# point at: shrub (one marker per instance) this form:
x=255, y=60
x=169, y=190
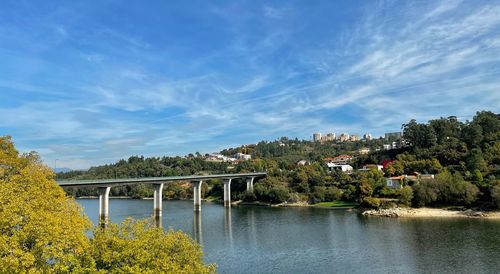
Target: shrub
x=248, y=196
x=370, y=202
x=425, y=193
x=406, y=195
x=278, y=194
x=495, y=195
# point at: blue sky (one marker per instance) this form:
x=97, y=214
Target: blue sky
x=93, y=82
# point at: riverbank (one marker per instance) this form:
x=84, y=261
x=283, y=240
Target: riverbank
x=430, y=213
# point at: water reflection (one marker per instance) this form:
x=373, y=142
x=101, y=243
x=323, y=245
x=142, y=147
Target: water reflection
x=228, y=230
x=308, y=240
x=197, y=229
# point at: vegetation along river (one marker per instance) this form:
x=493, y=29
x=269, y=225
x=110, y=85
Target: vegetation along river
x=252, y=239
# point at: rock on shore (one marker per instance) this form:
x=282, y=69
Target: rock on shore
x=429, y=212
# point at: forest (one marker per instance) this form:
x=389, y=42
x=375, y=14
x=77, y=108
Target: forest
x=463, y=156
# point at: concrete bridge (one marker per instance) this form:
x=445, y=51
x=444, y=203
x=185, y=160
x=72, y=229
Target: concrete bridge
x=104, y=186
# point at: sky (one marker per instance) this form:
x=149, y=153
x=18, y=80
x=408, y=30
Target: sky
x=92, y=82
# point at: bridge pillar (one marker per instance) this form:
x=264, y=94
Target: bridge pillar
x=158, y=204
x=104, y=206
x=227, y=192
x=197, y=195
x=250, y=183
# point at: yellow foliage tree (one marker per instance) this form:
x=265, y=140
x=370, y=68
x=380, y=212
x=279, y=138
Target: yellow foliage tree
x=140, y=247
x=44, y=231
x=41, y=229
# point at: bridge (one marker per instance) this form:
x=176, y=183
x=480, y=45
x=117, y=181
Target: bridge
x=104, y=186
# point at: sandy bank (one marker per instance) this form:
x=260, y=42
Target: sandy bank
x=431, y=213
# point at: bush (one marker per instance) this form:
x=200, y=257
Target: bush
x=278, y=194
x=425, y=193
x=370, y=202
x=495, y=195
x=406, y=195
x=333, y=194
x=295, y=198
x=248, y=196
x=261, y=192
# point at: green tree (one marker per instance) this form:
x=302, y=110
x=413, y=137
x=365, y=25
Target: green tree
x=419, y=135
x=406, y=195
x=495, y=195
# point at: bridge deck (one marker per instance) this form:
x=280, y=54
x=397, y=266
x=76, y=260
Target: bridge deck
x=153, y=180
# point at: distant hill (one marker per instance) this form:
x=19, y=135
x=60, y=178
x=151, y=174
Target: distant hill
x=61, y=169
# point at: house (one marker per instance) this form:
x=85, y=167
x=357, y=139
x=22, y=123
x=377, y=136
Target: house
x=395, y=182
x=387, y=147
x=303, y=163
x=364, y=151
x=371, y=166
x=241, y=156
x=339, y=160
x=217, y=157
x=343, y=168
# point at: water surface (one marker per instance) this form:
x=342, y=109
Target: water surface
x=251, y=239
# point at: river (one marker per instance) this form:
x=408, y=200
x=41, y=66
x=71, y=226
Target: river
x=252, y=239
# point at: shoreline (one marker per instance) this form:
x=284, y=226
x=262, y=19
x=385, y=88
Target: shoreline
x=426, y=212
x=398, y=212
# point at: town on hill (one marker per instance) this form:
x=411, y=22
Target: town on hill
x=442, y=162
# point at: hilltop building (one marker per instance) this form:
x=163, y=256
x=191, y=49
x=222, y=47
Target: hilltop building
x=344, y=137
x=343, y=168
x=367, y=136
x=354, y=138
x=330, y=137
x=317, y=137
x=242, y=156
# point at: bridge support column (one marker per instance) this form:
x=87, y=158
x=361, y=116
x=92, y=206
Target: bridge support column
x=227, y=192
x=250, y=183
x=197, y=195
x=104, y=206
x=158, y=204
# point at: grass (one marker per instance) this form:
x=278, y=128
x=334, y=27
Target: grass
x=338, y=204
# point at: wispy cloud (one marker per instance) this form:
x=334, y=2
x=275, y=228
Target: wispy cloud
x=98, y=88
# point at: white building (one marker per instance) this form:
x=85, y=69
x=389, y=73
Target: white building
x=317, y=137
x=242, y=156
x=364, y=151
x=303, y=163
x=367, y=136
x=344, y=137
x=330, y=136
x=369, y=167
x=343, y=168
x=354, y=138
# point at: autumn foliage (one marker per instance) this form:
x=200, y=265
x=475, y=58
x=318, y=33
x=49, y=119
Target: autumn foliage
x=44, y=231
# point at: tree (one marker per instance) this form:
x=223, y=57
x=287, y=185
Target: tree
x=41, y=229
x=495, y=195
x=475, y=160
x=279, y=194
x=140, y=247
x=419, y=135
x=406, y=195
